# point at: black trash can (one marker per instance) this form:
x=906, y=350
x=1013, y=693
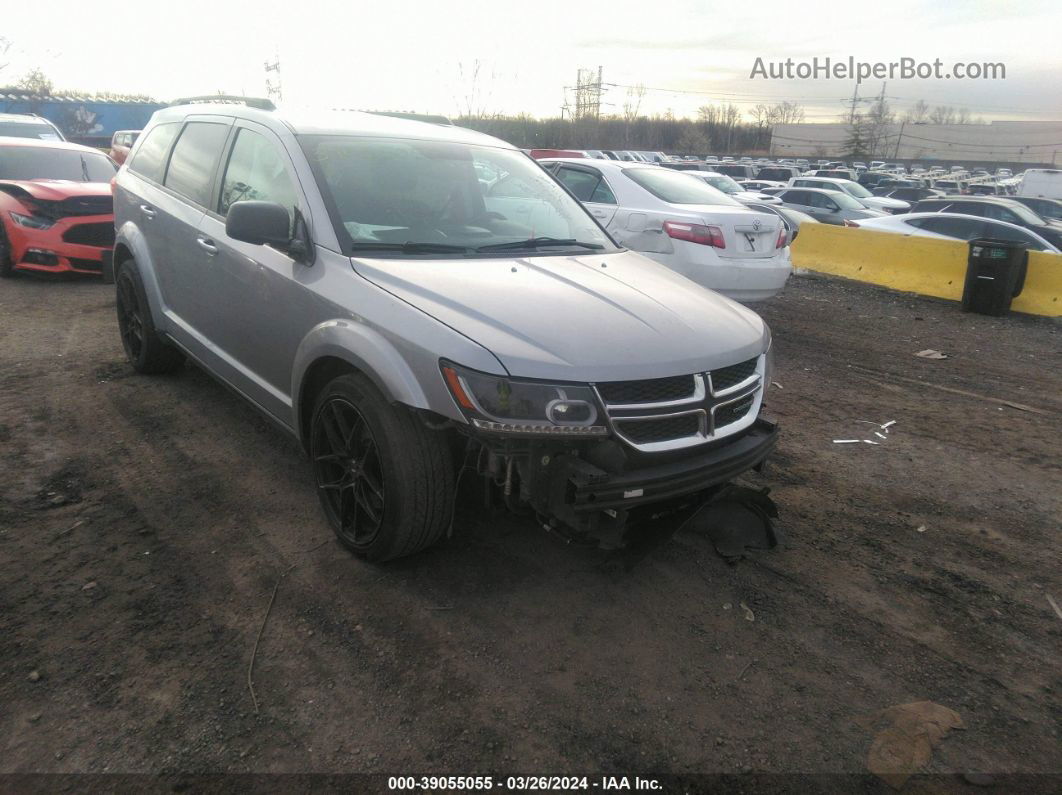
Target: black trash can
x=995, y=275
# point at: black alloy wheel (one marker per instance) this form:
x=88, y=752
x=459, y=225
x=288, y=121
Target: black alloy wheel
x=130, y=317
x=348, y=470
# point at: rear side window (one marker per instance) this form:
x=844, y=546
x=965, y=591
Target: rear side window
x=675, y=187
x=150, y=160
x=256, y=172
x=194, y=160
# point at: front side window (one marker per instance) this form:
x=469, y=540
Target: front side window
x=256, y=172
x=675, y=187
x=45, y=162
x=581, y=183
x=823, y=201
x=427, y=197
x=194, y=160
x=150, y=160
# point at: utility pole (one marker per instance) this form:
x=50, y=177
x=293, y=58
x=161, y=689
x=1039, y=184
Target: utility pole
x=855, y=99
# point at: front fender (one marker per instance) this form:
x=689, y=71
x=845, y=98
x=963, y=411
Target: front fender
x=363, y=348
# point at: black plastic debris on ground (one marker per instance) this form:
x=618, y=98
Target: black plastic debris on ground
x=735, y=518
x=738, y=519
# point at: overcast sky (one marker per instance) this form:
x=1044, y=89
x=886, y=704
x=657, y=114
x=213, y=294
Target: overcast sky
x=421, y=56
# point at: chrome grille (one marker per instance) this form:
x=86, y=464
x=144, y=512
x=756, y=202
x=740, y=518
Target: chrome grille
x=670, y=413
x=732, y=412
x=726, y=377
x=654, y=390
x=661, y=429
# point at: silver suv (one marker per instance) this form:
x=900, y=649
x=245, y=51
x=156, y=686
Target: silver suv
x=414, y=301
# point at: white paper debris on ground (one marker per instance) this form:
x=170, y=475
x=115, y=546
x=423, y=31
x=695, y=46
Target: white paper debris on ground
x=888, y=424
x=846, y=441
x=776, y=384
x=929, y=353
x=921, y=528
x=880, y=435
x=870, y=442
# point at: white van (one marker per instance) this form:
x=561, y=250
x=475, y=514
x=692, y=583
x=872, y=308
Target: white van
x=1042, y=182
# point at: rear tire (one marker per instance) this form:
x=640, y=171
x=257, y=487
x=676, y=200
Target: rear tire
x=385, y=481
x=145, y=348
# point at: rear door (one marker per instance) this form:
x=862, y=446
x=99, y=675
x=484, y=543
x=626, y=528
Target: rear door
x=591, y=188
x=138, y=204
x=187, y=188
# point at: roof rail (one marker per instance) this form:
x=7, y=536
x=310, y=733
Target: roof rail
x=398, y=114
x=228, y=99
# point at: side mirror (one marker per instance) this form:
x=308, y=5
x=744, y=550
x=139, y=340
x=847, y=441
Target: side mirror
x=259, y=223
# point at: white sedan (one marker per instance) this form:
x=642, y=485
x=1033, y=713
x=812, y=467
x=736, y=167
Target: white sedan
x=954, y=226
x=683, y=223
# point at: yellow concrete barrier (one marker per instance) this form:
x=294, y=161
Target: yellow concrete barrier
x=922, y=265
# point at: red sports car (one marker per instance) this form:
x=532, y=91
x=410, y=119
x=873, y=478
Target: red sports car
x=56, y=209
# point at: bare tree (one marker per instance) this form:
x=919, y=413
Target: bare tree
x=5, y=45
x=942, y=114
x=632, y=105
x=919, y=114
x=35, y=82
x=478, y=90
x=788, y=113
x=963, y=116
x=878, y=120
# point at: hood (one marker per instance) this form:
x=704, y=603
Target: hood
x=568, y=318
x=868, y=212
x=53, y=189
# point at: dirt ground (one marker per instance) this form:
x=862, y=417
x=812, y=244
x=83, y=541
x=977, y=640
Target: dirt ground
x=145, y=522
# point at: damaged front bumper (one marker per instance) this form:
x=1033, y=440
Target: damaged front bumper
x=577, y=486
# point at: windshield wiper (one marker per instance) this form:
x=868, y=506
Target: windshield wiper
x=411, y=247
x=84, y=169
x=540, y=242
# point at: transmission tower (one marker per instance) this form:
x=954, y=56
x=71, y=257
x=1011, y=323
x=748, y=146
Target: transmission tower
x=588, y=94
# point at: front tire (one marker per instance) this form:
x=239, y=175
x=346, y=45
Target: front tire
x=386, y=482
x=144, y=346
x=7, y=265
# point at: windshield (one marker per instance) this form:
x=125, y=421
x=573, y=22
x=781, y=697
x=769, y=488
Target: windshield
x=21, y=129
x=844, y=201
x=676, y=187
x=402, y=194
x=857, y=190
x=32, y=162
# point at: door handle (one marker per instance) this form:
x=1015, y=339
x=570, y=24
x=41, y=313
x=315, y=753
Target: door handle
x=598, y=213
x=148, y=211
x=207, y=245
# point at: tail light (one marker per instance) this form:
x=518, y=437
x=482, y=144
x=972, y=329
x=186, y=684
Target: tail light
x=695, y=233
x=851, y=223
x=783, y=237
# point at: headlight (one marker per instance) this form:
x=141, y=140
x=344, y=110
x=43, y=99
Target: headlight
x=507, y=405
x=32, y=221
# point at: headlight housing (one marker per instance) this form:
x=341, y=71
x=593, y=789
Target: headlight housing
x=497, y=404
x=32, y=221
